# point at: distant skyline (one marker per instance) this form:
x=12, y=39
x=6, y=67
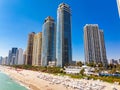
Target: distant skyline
x=18, y=18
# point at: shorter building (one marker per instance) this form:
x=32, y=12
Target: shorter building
x=72, y=69
x=119, y=61
x=20, y=57
x=29, y=51
x=113, y=61
x=24, y=56
x=73, y=62
x=0, y=60
x=76, y=70
x=37, y=46
x=89, y=70
x=52, y=63
x=4, y=60
x=9, y=56
x=14, y=56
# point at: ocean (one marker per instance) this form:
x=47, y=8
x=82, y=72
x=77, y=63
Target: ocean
x=6, y=83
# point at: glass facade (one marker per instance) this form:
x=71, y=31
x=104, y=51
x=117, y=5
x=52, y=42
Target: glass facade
x=48, y=41
x=63, y=35
x=14, y=56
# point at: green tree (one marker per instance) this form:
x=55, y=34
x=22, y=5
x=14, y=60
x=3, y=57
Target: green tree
x=79, y=63
x=82, y=72
x=91, y=64
x=113, y=71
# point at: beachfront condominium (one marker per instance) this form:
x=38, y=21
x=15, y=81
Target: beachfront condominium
x=118, y=4
x=13, y=58
x=4, y=61
x=29, y=52
x=24, y=57
x=48, y=41
x=63, y=35
x=0, y=60
x=20, y=57
x=9, y=56
x=37, y=46
x=94, y=45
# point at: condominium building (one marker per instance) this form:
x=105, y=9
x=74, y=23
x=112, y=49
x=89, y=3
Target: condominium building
x=14, y=57
x=9, y=56
x=94, y=45
x=24, y=57
x=118, y=61
x=118, y=4
x=4, y=61
x=115, y=62
x=63, y=35
x=20, y=57
x=1, y=60
x=29, y=52
x=37, y=46
x=48, y=41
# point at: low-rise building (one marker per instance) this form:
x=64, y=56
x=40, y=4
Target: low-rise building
x=0, y=60
x=88, y=70
x=119, y=61
x=72, y=69
x=113, y=61
x=4, y=60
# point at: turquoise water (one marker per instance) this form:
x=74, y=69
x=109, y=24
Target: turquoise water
x=6, y=83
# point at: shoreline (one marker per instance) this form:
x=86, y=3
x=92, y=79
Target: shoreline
x=17, y=81
x=34, y=80
x=30, y=81
x=20, y=82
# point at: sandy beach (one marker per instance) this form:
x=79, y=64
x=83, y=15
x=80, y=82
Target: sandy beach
x=43, y=81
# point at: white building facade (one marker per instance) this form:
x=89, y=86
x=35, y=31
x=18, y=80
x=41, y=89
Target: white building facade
x=20, y=57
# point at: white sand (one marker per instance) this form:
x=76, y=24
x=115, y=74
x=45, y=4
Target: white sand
x=30, y=78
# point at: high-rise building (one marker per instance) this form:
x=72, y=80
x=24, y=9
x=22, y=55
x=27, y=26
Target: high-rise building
x=102, y=48
x=118, y=61
x=29, y=53
x=94, y=44
x=63, y=35
x=20, y=57
x=9, y=56
x=14, y=57
x=37, y=46
x=4, y=60
x=114, y=62
x=24, y=57
x=48, y=41
x=0, y=60
x=118, y=4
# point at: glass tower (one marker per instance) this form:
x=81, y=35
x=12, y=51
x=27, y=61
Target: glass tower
x=14, y=56
x=63, y=35
x=48, y=41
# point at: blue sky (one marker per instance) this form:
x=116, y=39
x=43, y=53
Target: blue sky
x=20, y=17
